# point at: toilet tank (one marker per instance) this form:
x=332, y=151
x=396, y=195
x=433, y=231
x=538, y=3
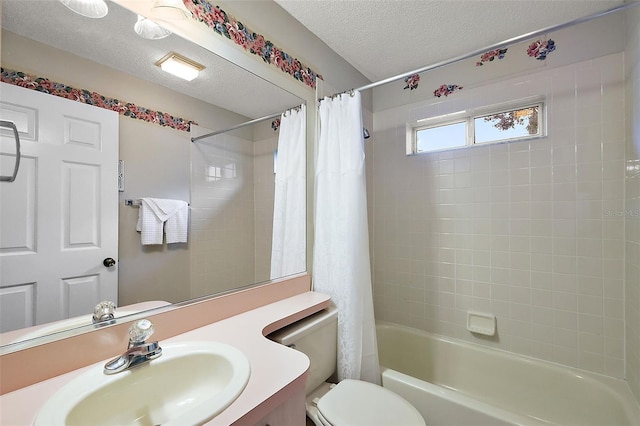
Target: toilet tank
x=317, y=337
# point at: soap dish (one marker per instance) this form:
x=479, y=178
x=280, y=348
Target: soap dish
x=481, y=323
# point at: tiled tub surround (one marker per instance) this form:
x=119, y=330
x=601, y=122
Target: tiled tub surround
x=632, y=203
x=527, y=230
x=222, y=214
x=232, y=196
x=277, y=373
x=264, y=178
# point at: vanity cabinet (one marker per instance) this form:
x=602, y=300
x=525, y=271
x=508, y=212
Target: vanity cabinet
x=290, y=413
x=274, y=394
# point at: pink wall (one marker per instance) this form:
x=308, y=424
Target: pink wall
x=29, y=366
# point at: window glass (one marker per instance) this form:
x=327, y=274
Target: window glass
x=513, y=124
x=479, y=126
x=452, y=135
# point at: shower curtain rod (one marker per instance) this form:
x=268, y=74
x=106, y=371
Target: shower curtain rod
x=237, y=126
x=499, y=45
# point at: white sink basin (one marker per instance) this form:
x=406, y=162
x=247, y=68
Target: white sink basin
x=189, y=384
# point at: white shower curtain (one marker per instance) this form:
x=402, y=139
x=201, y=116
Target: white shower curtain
x=341, y=265
x=289, y=244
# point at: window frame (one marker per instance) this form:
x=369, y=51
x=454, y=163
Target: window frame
x=469, y=117
x=451, y=122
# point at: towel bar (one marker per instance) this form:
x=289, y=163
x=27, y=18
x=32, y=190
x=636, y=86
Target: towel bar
x=136, y=202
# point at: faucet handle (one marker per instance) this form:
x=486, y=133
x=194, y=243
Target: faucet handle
x=140, y=331
x=104, y=311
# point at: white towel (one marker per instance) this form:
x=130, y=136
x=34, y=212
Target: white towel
x=177, y=225
x=149, y=225
x=154, y=212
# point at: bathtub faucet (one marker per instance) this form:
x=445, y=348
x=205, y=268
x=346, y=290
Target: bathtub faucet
x=138, y=351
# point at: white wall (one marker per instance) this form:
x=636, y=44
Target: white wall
x=156, y=165
x=632, y=199
x=589, y=40
x=519, y=230
x=269, y=19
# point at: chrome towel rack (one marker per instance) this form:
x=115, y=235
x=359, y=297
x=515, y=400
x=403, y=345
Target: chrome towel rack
x=136, y=202
x=10, y=125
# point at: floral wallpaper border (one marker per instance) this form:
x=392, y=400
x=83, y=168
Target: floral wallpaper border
x=538, y=49
x=412, y=81
x=228, y=26
x=446, y=90
x=491, y=56
x=127, y=109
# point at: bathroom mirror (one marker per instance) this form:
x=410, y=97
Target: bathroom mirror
x=102, y=55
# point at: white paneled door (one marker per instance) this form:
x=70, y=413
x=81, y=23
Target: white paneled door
x=59, y=219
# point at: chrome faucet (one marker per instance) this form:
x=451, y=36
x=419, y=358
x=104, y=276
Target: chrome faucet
x=104, y=312
x=138, y=352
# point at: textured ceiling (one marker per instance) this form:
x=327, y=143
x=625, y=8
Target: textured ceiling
x=111, y=41
x=383, y=38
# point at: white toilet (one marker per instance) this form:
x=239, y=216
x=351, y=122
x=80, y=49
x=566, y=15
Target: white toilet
x=350, y=402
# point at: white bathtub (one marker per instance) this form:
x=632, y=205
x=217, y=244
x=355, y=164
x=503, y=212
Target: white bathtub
x=452, y=382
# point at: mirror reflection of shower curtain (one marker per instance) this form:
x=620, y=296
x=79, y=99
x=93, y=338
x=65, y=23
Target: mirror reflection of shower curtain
x=288, y=247
x=341, y=265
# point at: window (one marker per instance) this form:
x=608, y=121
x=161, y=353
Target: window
x=507, y=125
x=481, y=126
x=215, y=173
x=444, y=136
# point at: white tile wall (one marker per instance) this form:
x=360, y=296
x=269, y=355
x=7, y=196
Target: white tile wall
x=222, y=216
x=264, y=192
x=632, y=205
x=232, y=217
x=520, y=229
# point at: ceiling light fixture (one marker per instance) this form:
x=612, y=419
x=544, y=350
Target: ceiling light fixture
x=87, y=8
x=180, y=66
x=170, y=9
x=150, y=30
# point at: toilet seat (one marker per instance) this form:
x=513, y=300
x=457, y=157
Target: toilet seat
x=354, y=402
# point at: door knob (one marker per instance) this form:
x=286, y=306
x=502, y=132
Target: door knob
x=108, y=262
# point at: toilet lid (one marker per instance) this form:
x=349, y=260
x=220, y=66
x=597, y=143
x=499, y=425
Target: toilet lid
x=353, y=402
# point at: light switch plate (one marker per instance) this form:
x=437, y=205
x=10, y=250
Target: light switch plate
x=120, y=175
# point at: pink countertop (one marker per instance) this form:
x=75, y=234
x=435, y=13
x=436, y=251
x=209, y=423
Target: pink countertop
x=276, y=371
